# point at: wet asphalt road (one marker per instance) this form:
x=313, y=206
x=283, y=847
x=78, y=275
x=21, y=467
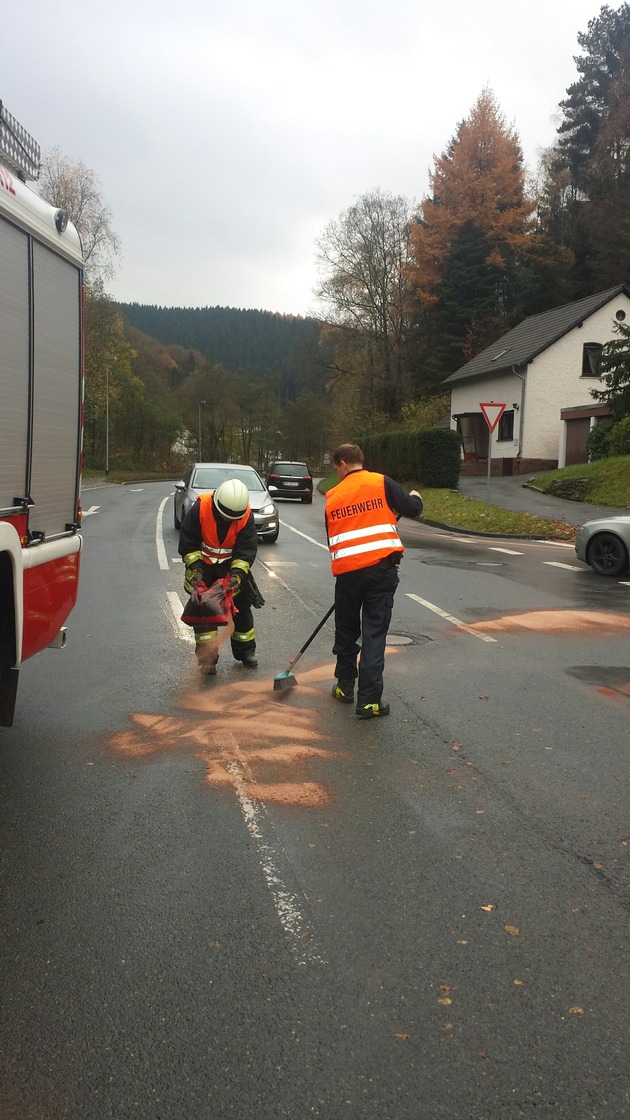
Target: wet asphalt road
x=223, y=901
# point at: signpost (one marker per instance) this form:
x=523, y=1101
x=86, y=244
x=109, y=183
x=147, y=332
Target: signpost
x=492, y=413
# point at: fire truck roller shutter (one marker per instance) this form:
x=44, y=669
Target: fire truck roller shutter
x=57, y=391
x=14, y=363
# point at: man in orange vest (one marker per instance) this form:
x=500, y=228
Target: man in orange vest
x=217, y=537
x=365, y=550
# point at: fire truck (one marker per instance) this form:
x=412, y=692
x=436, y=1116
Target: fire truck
x=41, y=413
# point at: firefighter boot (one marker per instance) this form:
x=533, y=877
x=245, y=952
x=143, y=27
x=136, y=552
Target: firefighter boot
x=249, y=660
x=343, y=691
x=368, y=711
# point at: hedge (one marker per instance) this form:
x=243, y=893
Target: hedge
x=432, y=457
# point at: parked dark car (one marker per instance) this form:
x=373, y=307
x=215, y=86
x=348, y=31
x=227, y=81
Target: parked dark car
x=202, y=477
x=290, y=480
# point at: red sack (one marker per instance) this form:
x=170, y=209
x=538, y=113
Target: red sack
x=210, y=606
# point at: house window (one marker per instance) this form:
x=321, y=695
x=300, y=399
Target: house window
x=506, y=425
x=591, y=359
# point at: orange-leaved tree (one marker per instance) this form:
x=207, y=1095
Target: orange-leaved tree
x=480, y=179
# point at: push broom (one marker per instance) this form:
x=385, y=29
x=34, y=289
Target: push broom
x=286, y=679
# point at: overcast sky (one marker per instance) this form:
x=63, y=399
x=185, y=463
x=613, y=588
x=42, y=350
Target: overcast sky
x=227, y=135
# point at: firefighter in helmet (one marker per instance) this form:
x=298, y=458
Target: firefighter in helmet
x=217, y=538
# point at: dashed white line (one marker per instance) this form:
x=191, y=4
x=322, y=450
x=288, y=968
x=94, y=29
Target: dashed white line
x=176, y=608
x=558, y=564
x=508, y=551
x=450, y=618
x=159, y=538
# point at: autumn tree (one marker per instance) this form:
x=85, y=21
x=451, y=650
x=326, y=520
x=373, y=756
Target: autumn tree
x=363, y=296
x=75, y=188
x=471, y=236
x=109, y=388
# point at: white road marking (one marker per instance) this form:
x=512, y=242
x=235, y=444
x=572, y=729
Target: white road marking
x=159, y=538
x=176, y=607
x=138, y=490
x=557, y=564
x=90, y=511
x=508, y=551
x=311, y=539
x=450, y=618
x=286, y=902
x=624, y=583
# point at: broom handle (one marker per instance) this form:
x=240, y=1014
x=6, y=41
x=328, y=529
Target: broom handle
x=313, y=635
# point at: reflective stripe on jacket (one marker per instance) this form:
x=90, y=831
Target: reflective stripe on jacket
x=213, y=551
x=361, y=525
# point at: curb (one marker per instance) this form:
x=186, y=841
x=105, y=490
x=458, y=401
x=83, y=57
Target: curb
x=482, y=533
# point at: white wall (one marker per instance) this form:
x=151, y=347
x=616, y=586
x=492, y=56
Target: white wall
x=553, y=381
x=506, y=389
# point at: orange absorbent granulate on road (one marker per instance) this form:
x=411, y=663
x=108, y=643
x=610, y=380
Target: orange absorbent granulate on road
x=591, y=623
x=237, y=728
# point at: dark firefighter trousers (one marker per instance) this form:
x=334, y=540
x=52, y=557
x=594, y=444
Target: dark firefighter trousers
x=243, y=638
x=363, y=609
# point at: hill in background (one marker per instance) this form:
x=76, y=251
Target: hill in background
x=253, y=341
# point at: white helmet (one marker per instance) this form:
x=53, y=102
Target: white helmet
x=231, y=499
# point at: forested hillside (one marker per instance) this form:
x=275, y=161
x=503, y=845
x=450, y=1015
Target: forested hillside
x=247, y=340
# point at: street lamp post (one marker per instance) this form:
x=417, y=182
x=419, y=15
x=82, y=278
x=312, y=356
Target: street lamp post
x=106, y=420
x=199, y=442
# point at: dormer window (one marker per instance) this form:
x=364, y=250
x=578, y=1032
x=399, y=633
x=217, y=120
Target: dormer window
x=591, y=359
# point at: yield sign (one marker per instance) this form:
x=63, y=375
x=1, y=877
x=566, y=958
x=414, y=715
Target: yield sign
x=492, y=413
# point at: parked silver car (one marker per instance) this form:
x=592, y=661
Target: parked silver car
x=605, y=545
x=202, y=477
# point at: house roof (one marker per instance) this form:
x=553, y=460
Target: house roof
x=535, y=334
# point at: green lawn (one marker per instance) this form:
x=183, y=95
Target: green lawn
x=605, y=482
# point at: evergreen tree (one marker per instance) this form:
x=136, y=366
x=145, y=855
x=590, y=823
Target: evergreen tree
x=615, y=373
x=604, y=46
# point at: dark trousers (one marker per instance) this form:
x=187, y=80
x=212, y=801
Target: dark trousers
x=363, y=609
x=243, y=638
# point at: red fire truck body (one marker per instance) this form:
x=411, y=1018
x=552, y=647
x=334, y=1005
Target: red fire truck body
x=41, y=413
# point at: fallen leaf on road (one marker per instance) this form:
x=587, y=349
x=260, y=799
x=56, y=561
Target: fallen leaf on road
x=599, y=866
x=398, y=1035
x=484, y=697
x=576, y=1010
x=462, y=942
x=456, y=747
x=519, y=983
x=490, y=906
x=448, y=1026
x=513, y=930
x=445, y=1001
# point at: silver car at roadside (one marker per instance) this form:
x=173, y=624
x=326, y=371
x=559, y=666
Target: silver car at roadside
x=605, y=544
x=202, y=477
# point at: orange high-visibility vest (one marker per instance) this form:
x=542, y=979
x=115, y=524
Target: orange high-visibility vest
x=213, y=551
x=361, y=525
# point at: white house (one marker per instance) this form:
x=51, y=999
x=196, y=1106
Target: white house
x=542, y=371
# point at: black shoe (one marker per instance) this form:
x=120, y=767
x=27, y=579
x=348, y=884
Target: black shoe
x=368, y=711
x=249, y=660
x=343, y=691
